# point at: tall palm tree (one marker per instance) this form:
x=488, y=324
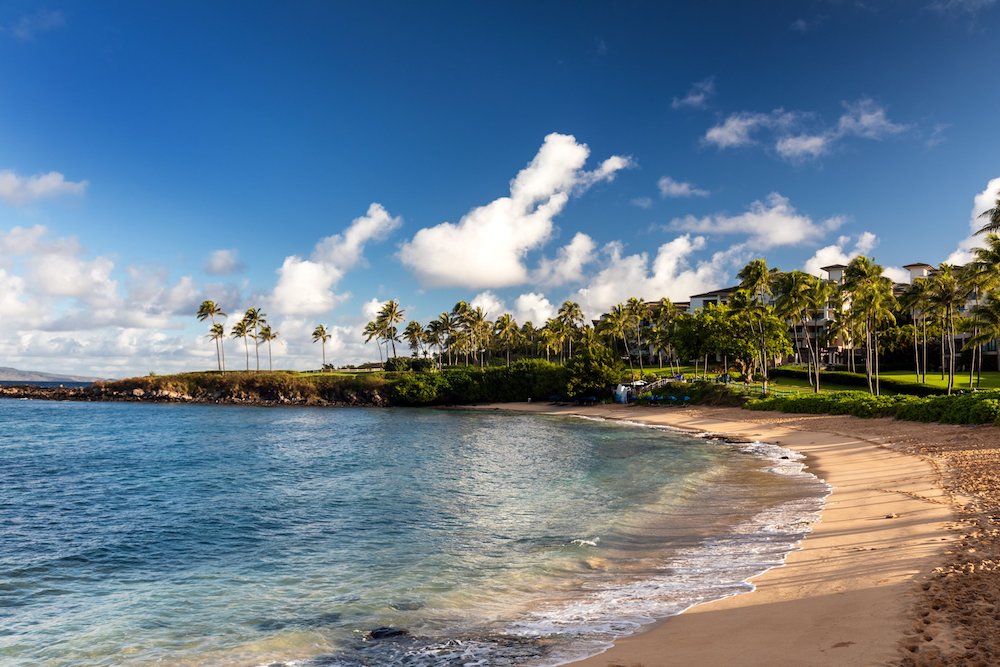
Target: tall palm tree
x=217, y=333
x=755, y=278
x=982, y=274
x=241, y=330
x=414, y=336
x=638, y=314
x=266, y=335
x=506, y=331
x=372, y=331
x=389, y=316
x=948, y=294
x=210, y=310
x=617, y=324
x=255, y=319
x=986, y=318
x=571, y=316
x=916, y=299
x=321, y=335
x=871, y=303
x=794, y=299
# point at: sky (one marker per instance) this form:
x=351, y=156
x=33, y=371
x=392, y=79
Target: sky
x=315, y=159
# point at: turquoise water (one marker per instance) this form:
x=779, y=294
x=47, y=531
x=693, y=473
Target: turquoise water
x=136, y=534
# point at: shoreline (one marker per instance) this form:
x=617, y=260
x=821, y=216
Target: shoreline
x=850, y=592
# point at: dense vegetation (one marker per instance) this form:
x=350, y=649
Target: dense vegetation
x=976, y=408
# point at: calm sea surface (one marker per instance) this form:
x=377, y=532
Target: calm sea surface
x=135, y=534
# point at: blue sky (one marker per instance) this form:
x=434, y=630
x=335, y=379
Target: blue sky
x=318, y=158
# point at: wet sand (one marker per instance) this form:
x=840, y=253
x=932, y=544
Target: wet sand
x=900, y=569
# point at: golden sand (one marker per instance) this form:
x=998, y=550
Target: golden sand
x=901, y=569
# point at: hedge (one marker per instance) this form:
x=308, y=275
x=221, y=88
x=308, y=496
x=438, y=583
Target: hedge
x=982, y=407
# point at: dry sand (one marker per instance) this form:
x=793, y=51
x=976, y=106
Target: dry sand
x=900, y=569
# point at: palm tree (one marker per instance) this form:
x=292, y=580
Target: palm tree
x=755, y=278
x=916, y=299
x=372, y=331
x=986, y=318
x=637, y=313
x=388, y=318
x=948, y=295
x=414, y=335
x=982, y=274
x=210, y=309
x=506, y=331
x=241, y=330
x=992, y=216
x=616, y=324
x=321, y=335
x=266, y=335
x=871, y=301
x=217, y=333
x=255, y=320
x=571, y=316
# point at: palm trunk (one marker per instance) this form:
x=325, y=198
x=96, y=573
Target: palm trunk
x=246, y=346
x=916, y=348
x=270, y=367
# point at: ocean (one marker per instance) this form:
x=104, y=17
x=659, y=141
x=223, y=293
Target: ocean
x=139, y=534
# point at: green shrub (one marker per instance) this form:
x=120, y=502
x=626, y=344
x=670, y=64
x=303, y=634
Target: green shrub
x=859, y=380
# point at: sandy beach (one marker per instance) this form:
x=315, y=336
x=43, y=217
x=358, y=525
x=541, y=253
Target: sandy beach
x=898, y=571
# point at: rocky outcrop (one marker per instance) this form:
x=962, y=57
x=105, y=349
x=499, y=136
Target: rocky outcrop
x=263, y=397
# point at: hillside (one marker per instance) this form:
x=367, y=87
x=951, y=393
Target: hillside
x=14, y=375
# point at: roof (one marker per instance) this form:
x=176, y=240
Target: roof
x=719, y=292
x=833, y=266
x=918, y=265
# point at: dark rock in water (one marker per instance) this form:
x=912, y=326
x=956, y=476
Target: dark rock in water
x=785, y=458
x=386, y=633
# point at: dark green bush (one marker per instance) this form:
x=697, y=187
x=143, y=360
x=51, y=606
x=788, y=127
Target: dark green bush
x=976, y=408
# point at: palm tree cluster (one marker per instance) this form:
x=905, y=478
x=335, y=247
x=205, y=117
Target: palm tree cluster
x=252, y=325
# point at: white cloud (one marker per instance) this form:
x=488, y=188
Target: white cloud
x=487, y=247
x=492, y=305
x=371, y=309
x=19, y=190
x=983, y=201
x=698, y=95
x=344, y=250
x=533, y=307
x=863, y=118
x=223, y=262
x=568, y=265
x=305, y=286
x=671, y=273
x=838, y=253
x=643, y=202
x=896, y=274
x=671, y=188
x=737, y=129
x=803, y=146
x=768, y=224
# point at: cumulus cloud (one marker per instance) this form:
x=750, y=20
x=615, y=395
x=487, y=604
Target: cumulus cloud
x=768, y=224
x=671, y=188
x=487, y=247
x=305, y=286
x=862, y=119
x=20, y=190
x=839, y=253
x=697, y=96
x=492, y=305
x=533, y=307
x=672, y=272
x=642, y=202
x=963, y=6
x=983, y=201
x=344, y=250
x=568, y=265
x=223, y=262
